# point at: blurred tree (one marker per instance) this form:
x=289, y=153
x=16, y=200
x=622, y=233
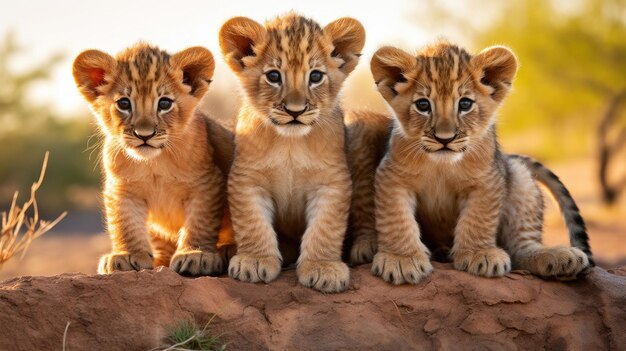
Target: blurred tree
x=16, y=111
x=29, y=128
x=611, y=142
x=569, y=91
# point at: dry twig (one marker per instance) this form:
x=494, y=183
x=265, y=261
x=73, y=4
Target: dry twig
x=13, y=239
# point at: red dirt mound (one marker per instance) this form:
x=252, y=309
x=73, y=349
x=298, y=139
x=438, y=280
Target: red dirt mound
x=449, y=310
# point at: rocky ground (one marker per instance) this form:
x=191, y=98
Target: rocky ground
x=449, y=310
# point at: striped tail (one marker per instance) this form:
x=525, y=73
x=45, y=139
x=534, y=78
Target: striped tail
x=571, y=214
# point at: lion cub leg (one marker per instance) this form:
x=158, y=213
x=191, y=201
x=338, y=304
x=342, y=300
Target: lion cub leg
x=196, y=252
x=226, y=245
x=401, y=257
x=362, y=211
x=258, y=257
x=319, y=264
x=522, y=228
x=126, y=223
x=163, y=249
x=474, y=249
x=367, y=137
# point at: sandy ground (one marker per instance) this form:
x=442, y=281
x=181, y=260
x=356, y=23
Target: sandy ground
x=58, y=253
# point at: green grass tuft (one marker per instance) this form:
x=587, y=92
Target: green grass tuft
x=187, y=335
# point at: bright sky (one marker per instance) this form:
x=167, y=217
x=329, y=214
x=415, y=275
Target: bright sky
x=45, y=27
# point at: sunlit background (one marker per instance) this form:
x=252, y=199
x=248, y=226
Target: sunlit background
x=568, y=107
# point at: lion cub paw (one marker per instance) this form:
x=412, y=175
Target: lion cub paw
x=325, y=276
x=124, y=261
x=363, y=249
x=491, y=262
x=254, y=269
x=563, y=263
x=197, y=262
x=397, y=269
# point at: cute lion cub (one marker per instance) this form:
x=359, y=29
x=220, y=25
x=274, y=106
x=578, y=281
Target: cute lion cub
x=289, y=187
x=164, y=164
x=444, y=183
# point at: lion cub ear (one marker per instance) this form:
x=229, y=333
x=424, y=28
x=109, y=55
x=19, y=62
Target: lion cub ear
x=240, y=38
x=348, y=38
x=198, y=65
x=497, y=66
x=389, y=67
x=90, y=70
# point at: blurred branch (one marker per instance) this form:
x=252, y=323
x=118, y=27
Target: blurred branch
x=12, y=240
x=587, y=82
x=608, y=150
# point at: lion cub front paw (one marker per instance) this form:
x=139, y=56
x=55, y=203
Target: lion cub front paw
x=197, y=262
x=254, y=269
x=563, y=263
x=325, y=276
x=124, y=261
x=363, y=249
x=491, y=262
x=397, y=269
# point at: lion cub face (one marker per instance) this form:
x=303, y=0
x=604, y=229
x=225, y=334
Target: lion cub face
x=144, y=97
x=444, y=98
x=291, y=69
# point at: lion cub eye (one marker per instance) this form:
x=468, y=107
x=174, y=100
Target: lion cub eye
x=465, y=104
x=273, y=76
x=423, y=105
x=165, y=104
x=316, y=77
x=123, y=104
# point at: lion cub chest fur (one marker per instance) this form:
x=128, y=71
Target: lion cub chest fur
x=163, y=188
x=290, y=172
x=289, y=187
x=440, y=196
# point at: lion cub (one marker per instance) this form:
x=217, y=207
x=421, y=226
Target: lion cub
x=444, y=182
x=165, y=164
x=289, y=187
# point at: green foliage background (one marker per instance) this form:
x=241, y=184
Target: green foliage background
x=571, y=66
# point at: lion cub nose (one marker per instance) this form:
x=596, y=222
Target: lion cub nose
x=144, y=134
x=445, y=138
x=295, y=114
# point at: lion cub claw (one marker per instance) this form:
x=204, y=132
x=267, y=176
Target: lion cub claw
x=325, y=276
x=397, y=269
x=197, y=262
x=124, y=261
x=254, y=269
x=491, y=262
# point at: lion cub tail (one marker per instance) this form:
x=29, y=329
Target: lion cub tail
x=571, y=214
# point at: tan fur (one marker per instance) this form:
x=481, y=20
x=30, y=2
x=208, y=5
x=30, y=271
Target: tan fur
x=165, y=199
x=289, y=188
x=367, y=140
x=464, y=200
